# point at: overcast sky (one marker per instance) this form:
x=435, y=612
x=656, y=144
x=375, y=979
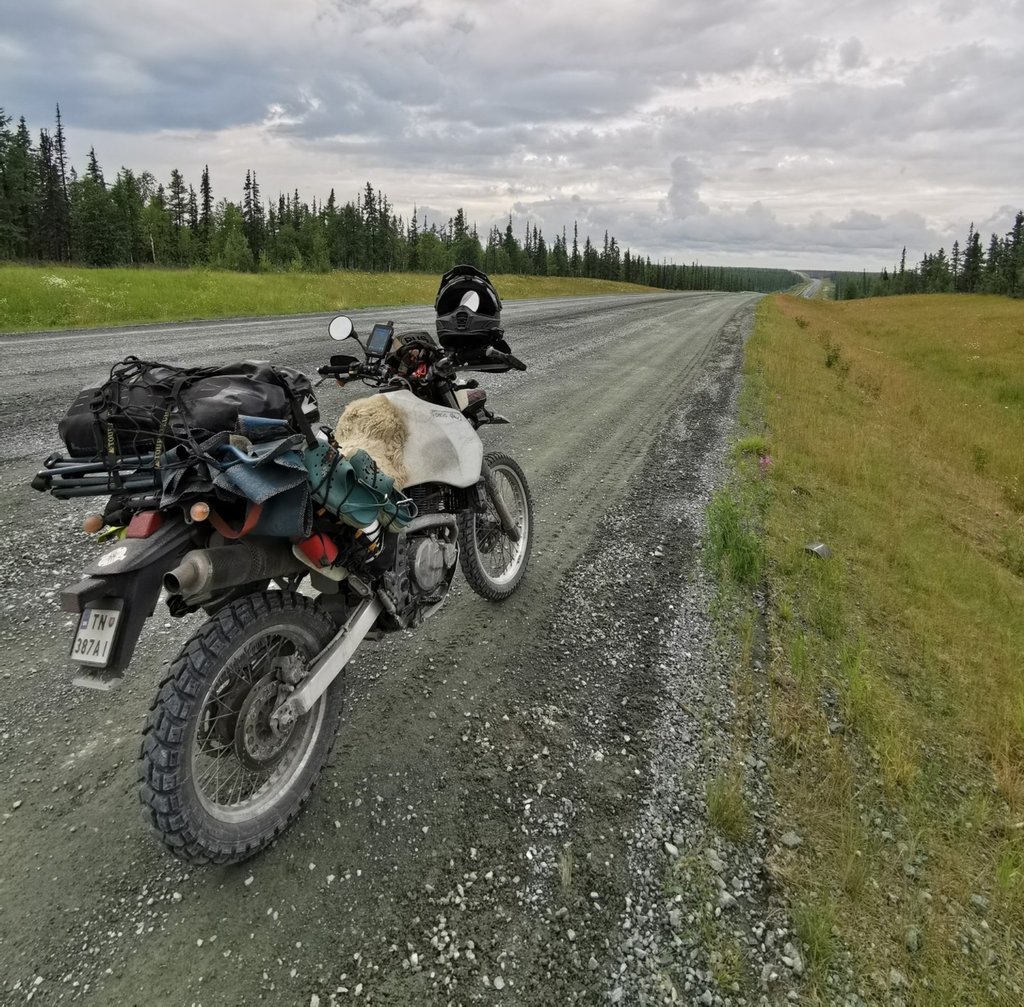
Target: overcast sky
x=732, y=131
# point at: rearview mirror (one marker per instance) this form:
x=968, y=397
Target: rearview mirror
x=341, y=328
x=470, y=300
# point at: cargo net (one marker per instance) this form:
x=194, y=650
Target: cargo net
x=135, y=409
x=147, y=417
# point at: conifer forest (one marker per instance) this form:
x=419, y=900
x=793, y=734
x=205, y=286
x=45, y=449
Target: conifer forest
x=971, y=268
x=50, y=212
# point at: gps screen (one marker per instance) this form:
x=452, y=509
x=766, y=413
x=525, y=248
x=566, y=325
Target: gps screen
x=380, y=340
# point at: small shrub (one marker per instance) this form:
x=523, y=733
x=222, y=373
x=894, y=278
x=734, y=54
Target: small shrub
x=1013, y=493
x=727, y=807
x=798, y=657
x=753, y=446
x=802, y=323
x=825, y=603
x=784, y=606
x=980, y=457
x=728, y=965
x=1010, y=868
x=832, y=355
x=871, y=387
x=813, y=923
x=1012, y=551
x=1011, y=394
x=733, y=548
x=856, y=686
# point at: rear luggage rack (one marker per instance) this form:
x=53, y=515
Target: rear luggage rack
x=66, y=477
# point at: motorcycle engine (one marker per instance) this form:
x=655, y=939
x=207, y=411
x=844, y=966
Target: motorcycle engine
x=422, y=573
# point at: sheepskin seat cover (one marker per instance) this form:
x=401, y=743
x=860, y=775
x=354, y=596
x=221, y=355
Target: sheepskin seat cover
x=377, y=426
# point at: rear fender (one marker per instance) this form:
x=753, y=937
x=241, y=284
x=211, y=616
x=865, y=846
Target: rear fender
x=131, y=572
x=173, y=537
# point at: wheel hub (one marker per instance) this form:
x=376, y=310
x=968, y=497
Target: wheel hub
x=258, y=744
x=489, y=533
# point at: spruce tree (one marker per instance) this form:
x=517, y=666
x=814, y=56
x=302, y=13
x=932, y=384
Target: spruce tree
x=19, y=192
x=53, y=241
x=205, y=214
x=126, y=196
x=414, y=240
x=97, y=238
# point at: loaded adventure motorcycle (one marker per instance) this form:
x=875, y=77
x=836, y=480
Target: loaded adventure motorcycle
x=298, y=543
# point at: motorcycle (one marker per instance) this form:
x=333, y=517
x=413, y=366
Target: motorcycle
x=245, y=719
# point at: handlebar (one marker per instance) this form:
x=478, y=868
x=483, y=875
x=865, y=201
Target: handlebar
x=505, y=358
x=441, y=368
x=353, y=370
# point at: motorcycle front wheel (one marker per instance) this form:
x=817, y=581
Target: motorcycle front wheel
x=218, y=783
x=492, y=562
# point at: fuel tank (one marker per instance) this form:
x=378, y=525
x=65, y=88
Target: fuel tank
x=439, y=444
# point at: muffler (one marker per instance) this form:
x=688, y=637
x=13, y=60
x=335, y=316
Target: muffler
x=204, y=572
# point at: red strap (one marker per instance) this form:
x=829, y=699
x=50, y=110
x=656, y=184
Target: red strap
x=251, y=517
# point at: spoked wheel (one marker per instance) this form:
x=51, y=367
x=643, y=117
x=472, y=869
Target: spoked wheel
x=218, y=780
x=492, y=561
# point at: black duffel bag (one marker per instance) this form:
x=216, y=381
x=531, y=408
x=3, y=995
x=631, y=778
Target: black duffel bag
x=149, y=407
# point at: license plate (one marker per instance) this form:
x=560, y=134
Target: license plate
x=94, y=640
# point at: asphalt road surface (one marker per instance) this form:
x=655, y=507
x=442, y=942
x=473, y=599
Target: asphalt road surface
x=475, y=837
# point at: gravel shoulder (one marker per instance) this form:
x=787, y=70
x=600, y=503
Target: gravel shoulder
x=515, y=809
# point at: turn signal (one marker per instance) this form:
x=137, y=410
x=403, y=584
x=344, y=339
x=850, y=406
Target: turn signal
x=199, y=511
x=92, y=523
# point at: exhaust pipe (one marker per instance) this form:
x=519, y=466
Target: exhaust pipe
x=206, y=571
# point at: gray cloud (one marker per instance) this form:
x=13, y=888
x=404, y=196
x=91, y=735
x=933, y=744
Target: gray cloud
x=730, y=130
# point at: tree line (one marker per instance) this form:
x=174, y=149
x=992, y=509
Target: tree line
x=49, y=212
x=967, y=269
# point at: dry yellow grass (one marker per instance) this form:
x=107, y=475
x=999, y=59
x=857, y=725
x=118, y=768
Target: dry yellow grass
x=896, y=429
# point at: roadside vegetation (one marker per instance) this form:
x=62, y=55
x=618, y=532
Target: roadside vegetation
x=56, y=297
x=971, y=268
x=891, y=430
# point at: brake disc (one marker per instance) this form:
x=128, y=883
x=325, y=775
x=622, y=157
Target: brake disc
x=259, y=745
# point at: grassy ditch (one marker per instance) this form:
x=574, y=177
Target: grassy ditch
x=56, y=297
x=893, y=431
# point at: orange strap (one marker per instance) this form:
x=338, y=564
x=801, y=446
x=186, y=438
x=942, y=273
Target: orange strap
x=251, y=517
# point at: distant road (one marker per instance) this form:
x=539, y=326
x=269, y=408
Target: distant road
x=812, y=288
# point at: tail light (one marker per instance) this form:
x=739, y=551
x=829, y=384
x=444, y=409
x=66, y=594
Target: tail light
x=144, y=524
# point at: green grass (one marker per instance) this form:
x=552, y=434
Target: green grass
x=727, y=807
x=897, y=666
x=813, y=923
x=733, y=546
x=57, y=297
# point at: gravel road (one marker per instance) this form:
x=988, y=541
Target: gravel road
x=515, y=809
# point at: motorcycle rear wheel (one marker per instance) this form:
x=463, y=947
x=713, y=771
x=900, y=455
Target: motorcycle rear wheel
x=492, y=562
x=217, y=783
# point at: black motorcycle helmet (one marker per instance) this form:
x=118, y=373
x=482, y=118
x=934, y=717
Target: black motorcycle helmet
x=468, y=324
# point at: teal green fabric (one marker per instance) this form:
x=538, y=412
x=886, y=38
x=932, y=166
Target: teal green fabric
x=354, y=488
